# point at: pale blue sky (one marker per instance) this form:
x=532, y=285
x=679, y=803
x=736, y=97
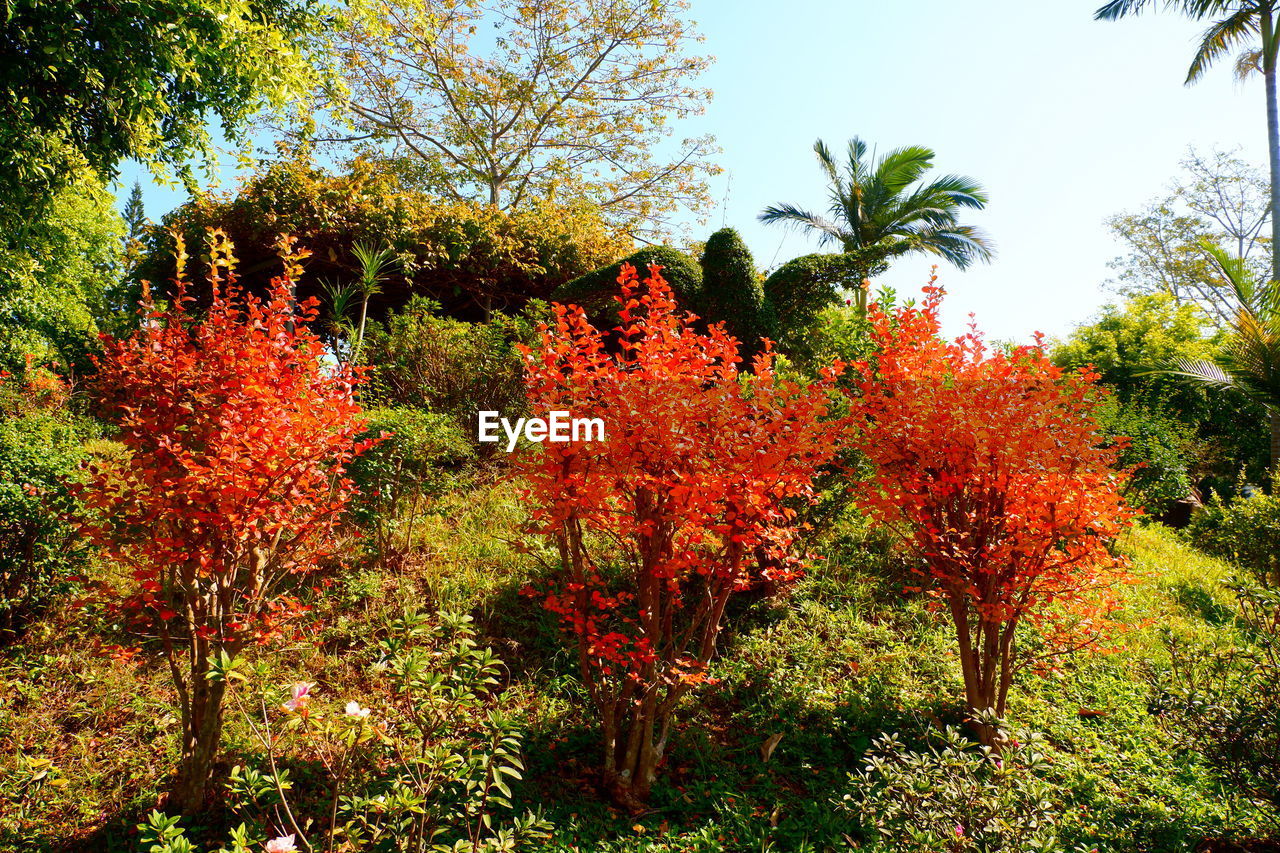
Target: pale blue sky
x=1065, y=120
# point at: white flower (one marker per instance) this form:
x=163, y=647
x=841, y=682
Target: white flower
x=283, y=844
x=354, y=710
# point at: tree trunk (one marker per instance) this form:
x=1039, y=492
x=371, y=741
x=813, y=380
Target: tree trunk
x=1273, y=144
x=1273, y=420
x=201, y=738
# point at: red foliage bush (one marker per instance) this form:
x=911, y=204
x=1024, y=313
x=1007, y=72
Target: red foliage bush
x=237, y=435
x=659, y=523
x=990, y=465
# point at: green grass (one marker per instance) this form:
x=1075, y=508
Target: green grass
x=843, y=658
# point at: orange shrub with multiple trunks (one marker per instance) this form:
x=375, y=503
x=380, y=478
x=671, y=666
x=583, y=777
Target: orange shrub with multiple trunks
x=237, y=434
x=663, y=520
x=989, y=465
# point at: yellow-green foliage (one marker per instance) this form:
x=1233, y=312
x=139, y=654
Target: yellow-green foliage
x=469, y=257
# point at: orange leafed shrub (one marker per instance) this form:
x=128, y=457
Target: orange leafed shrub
x=237, y=436
x=669, y=515
x=990, y=465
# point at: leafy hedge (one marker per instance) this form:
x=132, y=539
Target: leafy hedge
x=1245, y=531
x=471, y=258
x=731, y=291
x=595, y=290
x=800, y=289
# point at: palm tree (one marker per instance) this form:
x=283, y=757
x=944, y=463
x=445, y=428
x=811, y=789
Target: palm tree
x=882, y=209
x=375, y=268
x=1250, y=361
x=1245, y=25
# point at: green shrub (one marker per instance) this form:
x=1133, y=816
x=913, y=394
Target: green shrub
x=798, y=292
x=596, y=290
x=1243, y=530
x=1222, y=700
x=398, y=475
x=839, y=332
x=40, y=447
x=428, y=768
x=1158, y=449
x=956, y=796
x=448, y=367
x=731, y=290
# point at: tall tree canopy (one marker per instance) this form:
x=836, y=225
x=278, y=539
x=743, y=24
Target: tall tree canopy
x=91, y=83
x=1247, y=26
x=509, y=103
x=1218, y=201
x=62, y=286
x=883, y=208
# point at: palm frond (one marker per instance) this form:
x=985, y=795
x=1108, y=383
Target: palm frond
x=1118, y=9
x=1221, y=37
x=804, y=220
x=1259, y=300
x=1198, y=370
x=961, y=190
x=1248, y=62
x=826, y=161
x=856, y=160
x=902, y=167
x=960, y=245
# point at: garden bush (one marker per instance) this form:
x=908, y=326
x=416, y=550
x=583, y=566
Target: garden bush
x=731, y=291
x=595, y=291
x=416, y=455
x=427, y=768
x=691, y=481
x=237, y=434
x=41, y=448
x=1222, y=700
x=798, y=292
x=988, y=464
x=449, y=367
x=1243, y=530
x=1157, y=449
x=956, y=795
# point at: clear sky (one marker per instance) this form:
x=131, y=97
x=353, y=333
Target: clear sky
x=1065, y=120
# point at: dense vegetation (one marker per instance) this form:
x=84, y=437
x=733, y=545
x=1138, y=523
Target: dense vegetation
x=823, y=580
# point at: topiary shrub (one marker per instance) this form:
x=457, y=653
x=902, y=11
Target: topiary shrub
x=1245, y=531
x=798, y=291
x=596, y=290
x=731, y=290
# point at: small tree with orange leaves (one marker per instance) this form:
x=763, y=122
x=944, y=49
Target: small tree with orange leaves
x=237, y=436
x=660, y=522
x=990, y=466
